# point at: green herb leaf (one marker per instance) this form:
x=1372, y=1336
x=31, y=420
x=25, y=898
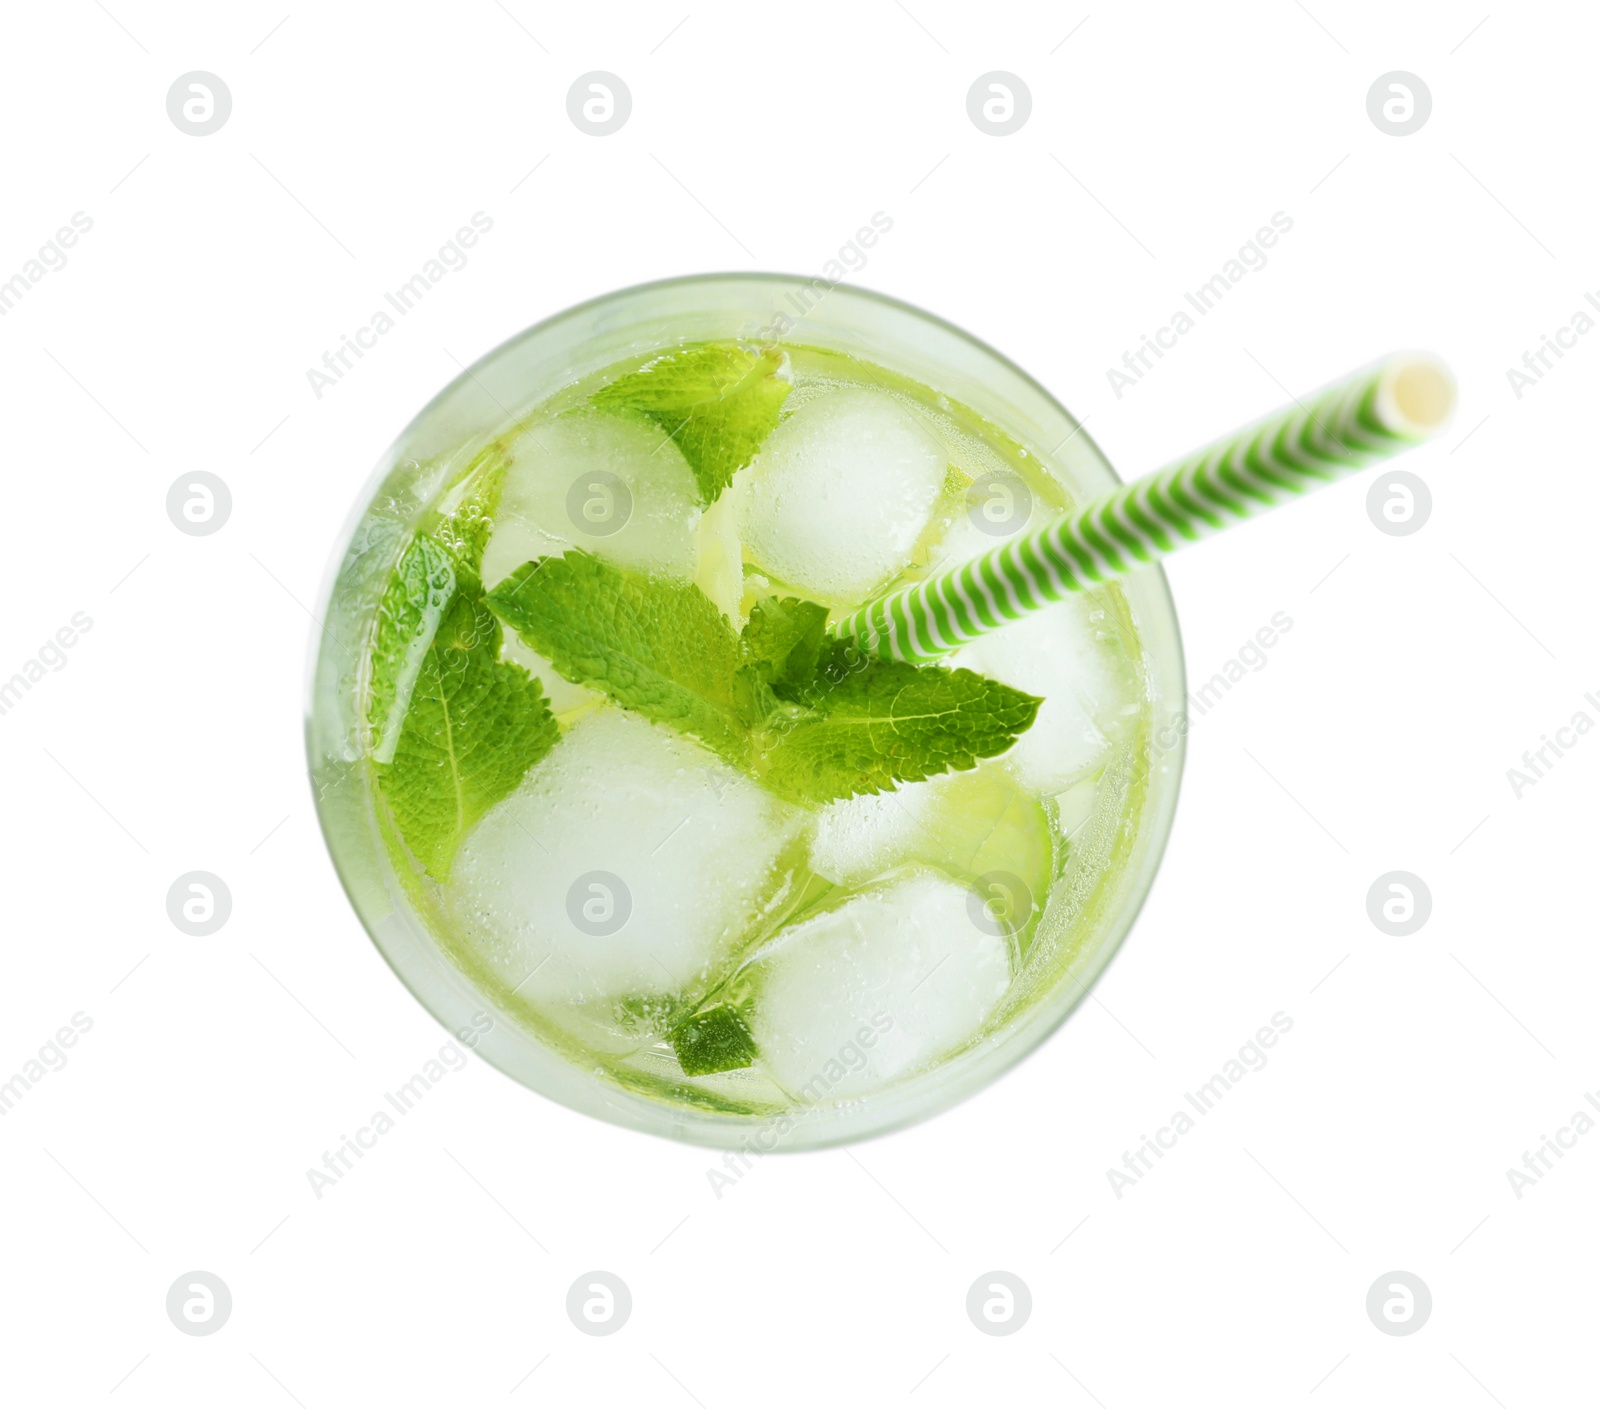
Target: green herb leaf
x=783, y=640
x=422, y=585
x=866, y=724
x=719, y=401
x=717, y=1039
x=661, y=648
x=413, y=604
x=813, y=719
x=475, y=725
x=454, y=728
x=465, y=529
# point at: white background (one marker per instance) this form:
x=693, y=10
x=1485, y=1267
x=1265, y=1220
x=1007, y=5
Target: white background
x=1417, y=671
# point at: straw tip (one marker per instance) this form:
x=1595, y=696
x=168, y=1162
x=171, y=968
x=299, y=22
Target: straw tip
x=1416, y=394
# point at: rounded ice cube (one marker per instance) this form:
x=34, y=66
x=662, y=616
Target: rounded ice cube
x=859, y=838
x=968, y=824
x=878, y=987
x=609, y=482
x=1060, y=653
x=835, y=503
x=629, y=864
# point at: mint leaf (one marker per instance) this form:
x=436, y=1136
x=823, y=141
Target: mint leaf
x=658, y=647
x=422, y=585
x=413, y=604
x=783, y=640
x=465, y=530
x=812, y=718
x=717, y=1039
x=475, y=725
x=719, y=401
x=865, y=724
x=454, y=728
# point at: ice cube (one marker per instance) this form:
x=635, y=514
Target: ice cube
x=858, y=838
x=897, y=976
x=966, y=824
x=608, y=482
x=836, y=501
x=628, y=865
x=1066, y=654
x=992, y=510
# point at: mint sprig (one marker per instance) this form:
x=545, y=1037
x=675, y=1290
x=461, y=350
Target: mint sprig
x=718, y=401
x=413, y=604
x=813, y=719
x=661, y=648
x=782, y=642
x=475, y=726
x=454, y=728
x=867, y=724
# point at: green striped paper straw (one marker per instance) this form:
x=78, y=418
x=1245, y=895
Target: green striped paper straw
x=1367, y=416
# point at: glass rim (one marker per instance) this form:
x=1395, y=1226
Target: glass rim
x=910, y=1100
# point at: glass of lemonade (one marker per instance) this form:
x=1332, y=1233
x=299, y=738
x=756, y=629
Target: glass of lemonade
x=623, y=815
